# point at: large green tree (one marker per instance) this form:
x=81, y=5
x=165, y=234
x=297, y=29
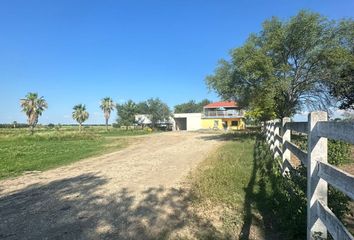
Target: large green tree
x=341, y=62
x=157, y=110
x=33, y=106
x=126, y=113
x=191, y=106
x=80, y=114
x=107, y=106
x=283, y=68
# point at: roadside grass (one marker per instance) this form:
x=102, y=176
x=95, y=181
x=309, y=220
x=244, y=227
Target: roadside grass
x=242, y=181
x=48, y=148
x=234, y=181
x=229, y=181
x=226, y=171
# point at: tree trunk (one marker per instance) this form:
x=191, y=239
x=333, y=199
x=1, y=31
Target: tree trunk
x=80, y=126
x=31, y=128
x=107, y=124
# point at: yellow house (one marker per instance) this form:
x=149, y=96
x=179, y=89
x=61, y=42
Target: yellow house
x=223, y=116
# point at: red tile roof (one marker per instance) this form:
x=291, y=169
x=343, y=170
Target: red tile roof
x=225, y=104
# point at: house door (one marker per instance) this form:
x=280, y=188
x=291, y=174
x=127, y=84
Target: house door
x=224, y=125
x=216, y=124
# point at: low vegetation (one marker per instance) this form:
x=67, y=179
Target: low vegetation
x=47, y=148
x=254, y=201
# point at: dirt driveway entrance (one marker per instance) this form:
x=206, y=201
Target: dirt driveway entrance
x=131, y=194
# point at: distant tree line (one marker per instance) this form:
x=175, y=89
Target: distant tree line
x=191, y=107
x=154, y=109
x=14, y=125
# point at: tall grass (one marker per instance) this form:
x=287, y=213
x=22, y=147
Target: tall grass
x=48, y=148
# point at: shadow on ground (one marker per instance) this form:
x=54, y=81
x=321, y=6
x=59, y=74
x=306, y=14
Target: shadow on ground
x=240, y=136
x=73, y=208
x=256, y=197
x=280, y=202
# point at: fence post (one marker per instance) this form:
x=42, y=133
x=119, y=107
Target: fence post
x=276, y=140
x=286, y=135
x=316, y=187
x=268, y=132
x=272, y=135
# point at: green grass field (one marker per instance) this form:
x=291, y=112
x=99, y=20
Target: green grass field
x=48, y=148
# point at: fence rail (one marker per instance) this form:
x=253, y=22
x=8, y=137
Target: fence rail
x=319, y=172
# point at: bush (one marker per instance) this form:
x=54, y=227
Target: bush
x=287, y=197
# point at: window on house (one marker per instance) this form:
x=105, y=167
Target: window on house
x=234, y=123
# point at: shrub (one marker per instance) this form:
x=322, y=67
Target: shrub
x=288, y=194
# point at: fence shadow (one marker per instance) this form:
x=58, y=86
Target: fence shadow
x=281, y=201
x=256, y=197
x=73, y=208
x=239, y=136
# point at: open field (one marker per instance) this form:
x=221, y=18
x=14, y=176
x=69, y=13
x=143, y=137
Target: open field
x=233, y=191
x=135, y=193
x=47, y=148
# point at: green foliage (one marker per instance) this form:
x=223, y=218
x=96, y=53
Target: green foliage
x=338, y=152
x=342, y=61
x=191, y=106
x=291, y=190
x=17, y=125
x=80, y=114
x=107, y=106
x=281, y=69
x=126, y=113
x=244, y=176
x=285, y=196
x=49, y=148
x=157, y=110
x=33, y=106
x=225, y=173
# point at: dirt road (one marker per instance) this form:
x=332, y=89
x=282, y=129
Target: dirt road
x=134, y=193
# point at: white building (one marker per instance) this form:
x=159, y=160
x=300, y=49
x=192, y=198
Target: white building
x=142, y=119
x=179, y=121
x=186, y=121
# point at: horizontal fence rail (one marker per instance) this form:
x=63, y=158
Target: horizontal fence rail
x=333, y=224
x=339, y=179
x=319, y=173
x=343, y=131
x=297, y=126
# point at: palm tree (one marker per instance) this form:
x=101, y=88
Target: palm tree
x=107, y=106
x=80, y=114
x=33, y=107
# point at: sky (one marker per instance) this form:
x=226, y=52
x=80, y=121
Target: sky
x=80, y=51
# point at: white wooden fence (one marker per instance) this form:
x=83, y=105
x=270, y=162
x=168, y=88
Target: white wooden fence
x=319, y=173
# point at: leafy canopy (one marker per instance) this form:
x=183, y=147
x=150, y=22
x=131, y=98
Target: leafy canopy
x=157, y=110
x=80, y=114
x=285, y=67
x=107, y=106
x=33, y=106
x=191, y=106
x=126, y=113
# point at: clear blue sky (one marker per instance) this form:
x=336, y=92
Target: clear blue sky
x=72, y=51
